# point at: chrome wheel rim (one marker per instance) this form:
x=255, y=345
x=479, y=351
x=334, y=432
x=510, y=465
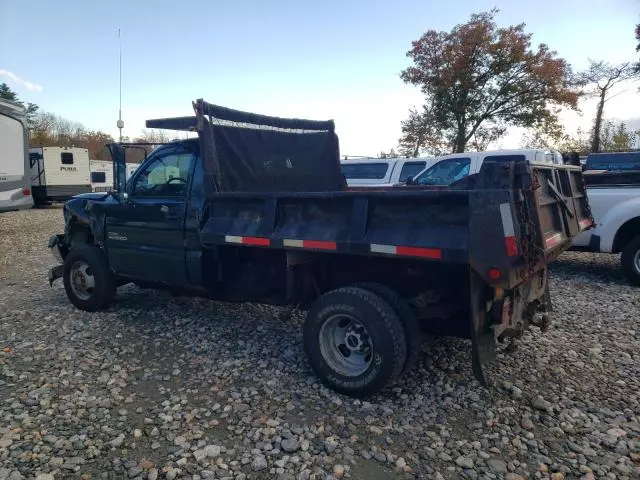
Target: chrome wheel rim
x=82, y=280
x=346, y=346
x=636, y=261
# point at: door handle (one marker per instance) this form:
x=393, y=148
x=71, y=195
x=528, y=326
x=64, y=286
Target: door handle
x=169, y=214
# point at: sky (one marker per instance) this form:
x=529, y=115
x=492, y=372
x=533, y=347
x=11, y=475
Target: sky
x=333, y=59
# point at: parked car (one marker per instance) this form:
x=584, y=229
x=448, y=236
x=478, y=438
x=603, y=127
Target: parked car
x=614, y=197
x=448, y=169
x=613, y=192
x=613, y=161
x=382, y=171
x=262, y=214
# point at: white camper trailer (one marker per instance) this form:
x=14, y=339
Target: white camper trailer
x=15, y=190
x=102, y=174
x=58, y=173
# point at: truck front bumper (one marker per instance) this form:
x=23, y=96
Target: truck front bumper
x=55, y=243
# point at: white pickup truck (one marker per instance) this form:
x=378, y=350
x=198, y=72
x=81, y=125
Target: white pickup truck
x=382, y=171
x=450, y=168
x=615, y=204
x=614, y=197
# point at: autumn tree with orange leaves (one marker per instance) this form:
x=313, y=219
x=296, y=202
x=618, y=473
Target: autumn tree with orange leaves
x=479, y=79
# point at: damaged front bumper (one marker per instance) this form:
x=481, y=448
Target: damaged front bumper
x=56, y=245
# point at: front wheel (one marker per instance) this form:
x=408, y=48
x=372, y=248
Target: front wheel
x=88, y=281
x=631, y=261
x=354, y=341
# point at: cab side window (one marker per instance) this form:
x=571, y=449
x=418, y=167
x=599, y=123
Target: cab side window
x=411, y=169
x=445, y=172
x=165, y=176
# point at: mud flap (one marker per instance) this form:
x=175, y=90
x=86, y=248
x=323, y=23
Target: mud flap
x=483, y=342
x=55, y=273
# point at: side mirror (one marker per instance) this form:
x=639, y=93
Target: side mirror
x=410, y=180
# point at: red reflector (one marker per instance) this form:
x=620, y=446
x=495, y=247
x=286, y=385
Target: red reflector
x=494, y=274
x=419, y=252
x=26, y=192
x=262, y=242
x=553, y=240
x=512, y=246
x=319, y=244
x=585, y=223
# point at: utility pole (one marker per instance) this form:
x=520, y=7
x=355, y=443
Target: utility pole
x=120, y=123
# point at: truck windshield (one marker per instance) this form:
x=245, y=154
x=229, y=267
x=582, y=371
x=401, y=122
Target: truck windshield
x=445, y=172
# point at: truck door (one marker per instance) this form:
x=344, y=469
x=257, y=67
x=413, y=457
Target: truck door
x=145, y=233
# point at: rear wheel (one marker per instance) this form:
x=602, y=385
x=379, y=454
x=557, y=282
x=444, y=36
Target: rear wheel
x=354, y=341
x=412, y=332
x=88, y=281
x=631, y=261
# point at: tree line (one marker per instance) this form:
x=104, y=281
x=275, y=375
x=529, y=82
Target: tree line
x=479, y=79
x=47, y=129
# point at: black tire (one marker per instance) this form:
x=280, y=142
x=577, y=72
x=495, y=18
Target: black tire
x=389, y=351
x=412, y=331
x=102, y=295
x=630, y=261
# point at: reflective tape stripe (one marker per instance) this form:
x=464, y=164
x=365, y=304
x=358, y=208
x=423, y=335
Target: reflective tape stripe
x=434, y=253
x=420, y=252
x=390, y=249
x=553, y=240
x=507, y=220
x=319, y=245
x=259, y=241
x=256, y=241
x=512, y=246
x=232, y=239
x=585, y=223
x=312, y=244
x=407, y=251
x=292, y=243
x=508, y=228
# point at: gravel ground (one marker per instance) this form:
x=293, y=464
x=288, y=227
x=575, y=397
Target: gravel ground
x=163, y=387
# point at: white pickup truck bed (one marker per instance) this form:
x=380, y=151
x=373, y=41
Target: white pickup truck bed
x=615, y=206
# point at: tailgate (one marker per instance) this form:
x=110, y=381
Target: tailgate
x=562, y=205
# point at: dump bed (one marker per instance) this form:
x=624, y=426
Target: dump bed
x=506, y=222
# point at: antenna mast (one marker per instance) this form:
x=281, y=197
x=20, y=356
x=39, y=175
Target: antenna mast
x=120, y=123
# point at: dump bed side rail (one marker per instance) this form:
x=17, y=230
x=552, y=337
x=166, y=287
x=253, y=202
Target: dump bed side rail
x=424, y=225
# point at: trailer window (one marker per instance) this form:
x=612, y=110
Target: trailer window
x=98, y=177
x=411, y=169
x=368, y=171
x=445, y=172
x=66, y=158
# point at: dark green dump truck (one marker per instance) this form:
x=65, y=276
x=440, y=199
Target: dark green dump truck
x=256, y=209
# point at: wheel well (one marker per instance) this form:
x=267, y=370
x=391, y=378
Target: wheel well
x=627, y=232
x=80, y=235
